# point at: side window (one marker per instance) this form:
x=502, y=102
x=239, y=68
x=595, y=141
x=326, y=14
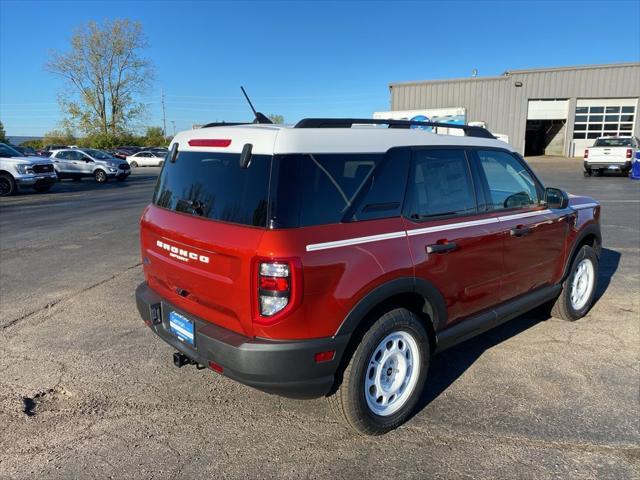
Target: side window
x=63, y=155
x=440, y=185
x=318, y=189
x=510, y=184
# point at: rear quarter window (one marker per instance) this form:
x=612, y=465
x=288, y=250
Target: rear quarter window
x=319, y=189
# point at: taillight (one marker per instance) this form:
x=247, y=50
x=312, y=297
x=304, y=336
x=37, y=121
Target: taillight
x=278, y=287
x=274, y=287
x=586, y=153
x=629, y=152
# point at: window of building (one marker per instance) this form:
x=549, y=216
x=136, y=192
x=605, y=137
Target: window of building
x=598, y=121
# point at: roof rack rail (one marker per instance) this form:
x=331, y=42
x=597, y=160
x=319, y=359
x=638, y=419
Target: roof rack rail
x=470, y=131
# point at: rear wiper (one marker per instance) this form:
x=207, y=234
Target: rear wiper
x=196, y=206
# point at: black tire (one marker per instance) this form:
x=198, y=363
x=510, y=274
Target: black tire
x=133, y=164
x=563, y=307
x=42, y=188
x=100, y=176
x=8, y=185
x=588, y=173
x=349, y=401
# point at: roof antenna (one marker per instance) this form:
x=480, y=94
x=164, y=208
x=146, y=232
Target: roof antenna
x=259, y=117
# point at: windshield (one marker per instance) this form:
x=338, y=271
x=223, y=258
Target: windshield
x=6, y=151
x=98, y=154
x=613, y=142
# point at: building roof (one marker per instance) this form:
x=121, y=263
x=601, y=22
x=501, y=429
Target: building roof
x=509, y=73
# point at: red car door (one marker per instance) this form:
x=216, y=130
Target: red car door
x=533, y=234
x=455, y=246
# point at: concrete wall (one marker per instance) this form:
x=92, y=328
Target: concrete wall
x=503, y=105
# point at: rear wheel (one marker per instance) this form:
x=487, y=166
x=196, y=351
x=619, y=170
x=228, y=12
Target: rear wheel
x=385, y=376
x=134, y=164
x=7, y=185
x=588, y=173
x=101, y=176
x=579, y=288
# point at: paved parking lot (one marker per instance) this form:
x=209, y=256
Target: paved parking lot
x=86, y=390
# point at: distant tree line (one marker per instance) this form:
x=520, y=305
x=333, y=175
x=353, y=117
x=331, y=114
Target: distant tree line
x=152, y=138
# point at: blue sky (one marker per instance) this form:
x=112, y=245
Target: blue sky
x=305, y=58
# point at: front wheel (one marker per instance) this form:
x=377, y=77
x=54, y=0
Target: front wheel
x=385, y=376
x=133, y=164
x=101, y=176
x=7, y=185
x=579, y=288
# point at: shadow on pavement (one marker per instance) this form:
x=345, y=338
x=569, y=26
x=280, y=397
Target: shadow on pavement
x=448, y=366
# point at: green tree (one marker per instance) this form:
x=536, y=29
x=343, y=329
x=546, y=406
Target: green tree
x=59, y=137
x=154, y=137
x=275, y=118
x=3, y=134
x=105, y=75
x=35, y=144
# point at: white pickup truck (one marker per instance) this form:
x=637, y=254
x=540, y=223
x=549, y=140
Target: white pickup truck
x=610, y=153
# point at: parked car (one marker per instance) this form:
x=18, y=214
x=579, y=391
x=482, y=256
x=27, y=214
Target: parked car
x=18, y=171
x=88, y=162
x=146, y=158
x=321, y=260
x=124, y=152
x=26, y=151
x=610, y=154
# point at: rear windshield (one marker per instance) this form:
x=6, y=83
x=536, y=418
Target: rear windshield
x=613, y=142
x=285, y=191
x=212, y=185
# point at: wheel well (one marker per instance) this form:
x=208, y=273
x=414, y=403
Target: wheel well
x=412, y=301
x=5, y=172
x=590, y=240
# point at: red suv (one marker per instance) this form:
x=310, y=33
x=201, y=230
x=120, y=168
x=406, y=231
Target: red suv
x=322, y=260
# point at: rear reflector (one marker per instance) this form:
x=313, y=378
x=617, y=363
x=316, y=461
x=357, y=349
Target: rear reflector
x=586, y=153
x=324, y=356
x=216, y=367
x=209, y=142
x=629, y=152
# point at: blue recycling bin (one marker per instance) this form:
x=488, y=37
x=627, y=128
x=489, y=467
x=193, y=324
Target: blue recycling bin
x=635, y=167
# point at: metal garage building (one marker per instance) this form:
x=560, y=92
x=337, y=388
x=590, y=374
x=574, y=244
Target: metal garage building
x=553, y=111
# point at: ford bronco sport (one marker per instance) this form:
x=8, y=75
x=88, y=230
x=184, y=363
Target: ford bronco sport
x=334, y=259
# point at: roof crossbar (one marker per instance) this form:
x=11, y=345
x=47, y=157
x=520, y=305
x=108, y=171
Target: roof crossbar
x=470, y=131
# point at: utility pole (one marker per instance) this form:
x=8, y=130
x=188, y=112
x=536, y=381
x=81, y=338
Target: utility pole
x=173, y=122
x=164, y=117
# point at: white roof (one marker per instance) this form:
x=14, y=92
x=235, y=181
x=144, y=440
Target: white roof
x=270, y=139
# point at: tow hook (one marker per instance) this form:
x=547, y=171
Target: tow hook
x=180, y=360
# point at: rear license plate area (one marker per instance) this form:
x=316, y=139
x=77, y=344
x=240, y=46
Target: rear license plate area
x=182, y=328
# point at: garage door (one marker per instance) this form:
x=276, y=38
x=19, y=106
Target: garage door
x=548, y=109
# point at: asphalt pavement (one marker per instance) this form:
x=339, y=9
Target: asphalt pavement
x=87, y=391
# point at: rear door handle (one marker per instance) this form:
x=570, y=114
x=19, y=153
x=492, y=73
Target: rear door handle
x=520, y=231
x=441, y=247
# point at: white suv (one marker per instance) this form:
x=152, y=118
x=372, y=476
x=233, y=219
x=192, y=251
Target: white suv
x=17, y=171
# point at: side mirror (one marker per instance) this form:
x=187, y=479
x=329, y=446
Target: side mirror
x=556, y=198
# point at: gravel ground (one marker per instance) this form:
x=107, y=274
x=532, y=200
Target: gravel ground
x=87, y=391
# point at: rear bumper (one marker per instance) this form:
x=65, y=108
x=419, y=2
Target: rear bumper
x=620, y=165
x=285, y=368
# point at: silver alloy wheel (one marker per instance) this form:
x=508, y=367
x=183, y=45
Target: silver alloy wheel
x=101, y=176
x=582, y=284
x=392, y=372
